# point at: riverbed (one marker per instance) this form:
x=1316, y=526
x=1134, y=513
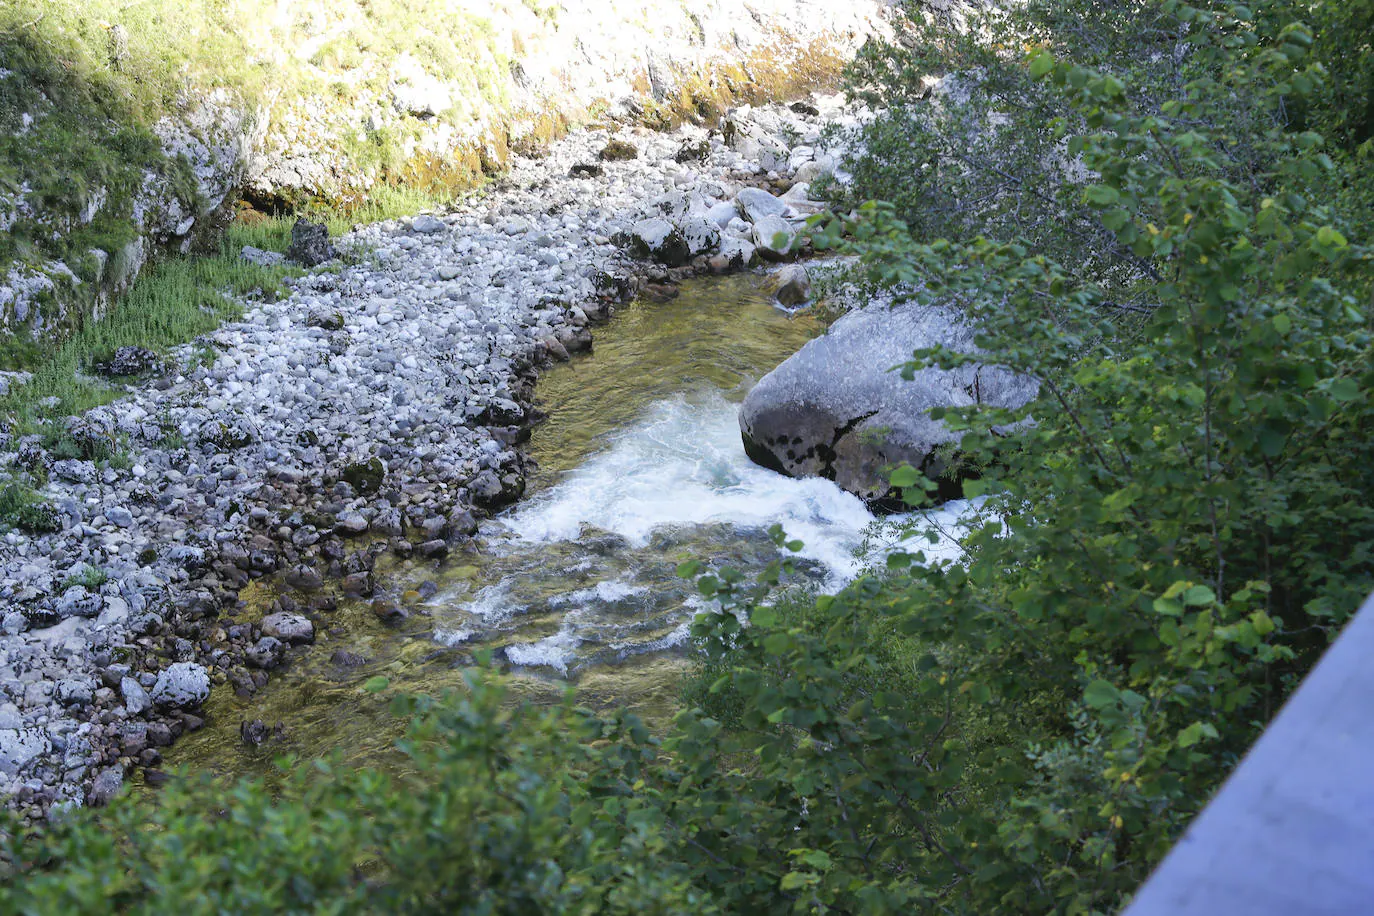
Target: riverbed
x=640, y=467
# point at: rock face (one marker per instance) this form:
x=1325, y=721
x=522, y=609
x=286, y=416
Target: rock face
x=834, y=409
x=480, y=84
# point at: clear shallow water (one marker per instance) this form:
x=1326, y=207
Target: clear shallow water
x=641, y=469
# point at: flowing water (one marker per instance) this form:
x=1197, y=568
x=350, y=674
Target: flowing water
x=641, y=468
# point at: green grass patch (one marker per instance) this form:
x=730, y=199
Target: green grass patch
x=22, y=507
x=89, y=577
x=172, y=302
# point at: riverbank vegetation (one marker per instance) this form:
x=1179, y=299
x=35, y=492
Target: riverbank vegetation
x=1158, y=209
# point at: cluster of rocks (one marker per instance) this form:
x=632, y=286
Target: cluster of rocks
x=756, y=211
x=380, y=407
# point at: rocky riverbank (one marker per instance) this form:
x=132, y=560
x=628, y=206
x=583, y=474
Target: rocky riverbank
x=380, y=407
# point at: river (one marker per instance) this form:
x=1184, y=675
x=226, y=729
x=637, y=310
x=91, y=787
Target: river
x=640, y=468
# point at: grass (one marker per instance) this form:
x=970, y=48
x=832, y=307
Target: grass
x=90, y=577
x=22, y=507
x=172, y=302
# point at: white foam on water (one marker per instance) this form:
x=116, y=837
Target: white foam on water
x=604, y=592
x=557, y=651
x=493, y=604
x=680, y=634
x=683, y=464
x=452, y=637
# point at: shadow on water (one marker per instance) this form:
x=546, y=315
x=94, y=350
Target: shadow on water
x=641, y=468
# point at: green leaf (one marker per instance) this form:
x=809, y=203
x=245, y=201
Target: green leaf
x=1168, y=607
x=1100, y=694
x=1041, y=64
x=905, y=476
x=1345, y=389
x=777, y=643
x=1102, y=196
x=377, y=684
x=1199, y=596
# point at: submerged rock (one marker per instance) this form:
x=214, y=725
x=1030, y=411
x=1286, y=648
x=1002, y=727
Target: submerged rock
x=835, y=409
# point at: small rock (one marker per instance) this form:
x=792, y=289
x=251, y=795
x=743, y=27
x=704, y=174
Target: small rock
x=350, y=523
x=388, y=611
x=425, y=224
x=794, y=286
x=345, y=659
x=310, y=245
x=119, y=517
x=327, y=320
x=182, y=685
x=266, y=653
x=304, y=578
x=262, y=258
x=433, y=549
x=586, y=170
x=136, y=699
x=619, y=151
x=291, y=628
x=19, y=746
x=105, y=787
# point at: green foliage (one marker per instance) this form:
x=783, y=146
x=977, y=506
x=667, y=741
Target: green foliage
x=22, y=507
x=91, y=577
x=477, y=823
x=1166, y=551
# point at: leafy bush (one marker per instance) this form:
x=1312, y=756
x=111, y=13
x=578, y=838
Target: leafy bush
x=1167, y=550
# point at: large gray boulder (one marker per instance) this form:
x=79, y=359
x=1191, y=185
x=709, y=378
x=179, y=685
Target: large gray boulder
x=835, y=410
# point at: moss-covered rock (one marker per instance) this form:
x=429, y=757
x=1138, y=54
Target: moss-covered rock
x=365, y=476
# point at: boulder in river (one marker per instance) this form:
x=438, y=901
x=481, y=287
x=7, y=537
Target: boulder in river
x=835, y=409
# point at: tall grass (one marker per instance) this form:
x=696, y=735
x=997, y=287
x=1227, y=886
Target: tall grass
x=172, y=302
